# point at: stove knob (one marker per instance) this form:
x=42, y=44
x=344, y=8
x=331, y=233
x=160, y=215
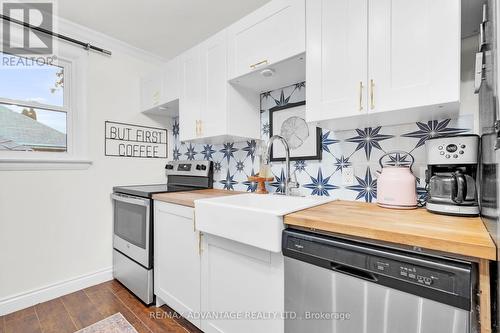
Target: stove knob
x=198, y=167
x=203, y=167
x=169, y=167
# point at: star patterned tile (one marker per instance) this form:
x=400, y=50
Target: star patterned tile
x=433, y=129
x=191, y=153
x=341, y=163
x=366, y=187
x=279, y=182
x=368, y=139
x=228, y=151
x=319, y=185
x=229, y=182
x=326, y=141
x=358, y=149
x=250, y=149
x=207, y=152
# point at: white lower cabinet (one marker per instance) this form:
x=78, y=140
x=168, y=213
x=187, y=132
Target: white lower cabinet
x=219, y=285
x=240, y=280
x=177, y=259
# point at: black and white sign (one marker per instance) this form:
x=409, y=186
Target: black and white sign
x=127, y=140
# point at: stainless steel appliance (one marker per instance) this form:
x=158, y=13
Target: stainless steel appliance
x=133, y=223
x=489, y=126
x=346, y=286
x=452, y=165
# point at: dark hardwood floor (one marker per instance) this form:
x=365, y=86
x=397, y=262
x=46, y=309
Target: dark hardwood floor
x=80, y=309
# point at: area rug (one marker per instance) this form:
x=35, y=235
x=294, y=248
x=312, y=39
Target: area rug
x=113, y=324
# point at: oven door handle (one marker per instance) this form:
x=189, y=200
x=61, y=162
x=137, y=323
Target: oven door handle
x=131, y=200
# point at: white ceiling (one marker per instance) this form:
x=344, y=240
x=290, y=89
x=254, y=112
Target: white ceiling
x=162, y=27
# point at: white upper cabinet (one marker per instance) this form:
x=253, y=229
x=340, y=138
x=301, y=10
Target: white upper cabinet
x=271, y=34
x=151, y=87
x=191, y=95
x=171, y=79
x=211, y=109
x=214, y=63
x=337, y=58
x=382, y=61
x=414, y=49
x=160, y=90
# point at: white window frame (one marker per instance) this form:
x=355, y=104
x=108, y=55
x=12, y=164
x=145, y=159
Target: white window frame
x=74, y=62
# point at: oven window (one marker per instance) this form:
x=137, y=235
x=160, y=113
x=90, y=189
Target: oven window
x=130, y=223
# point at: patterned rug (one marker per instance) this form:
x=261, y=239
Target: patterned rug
x=113, y=324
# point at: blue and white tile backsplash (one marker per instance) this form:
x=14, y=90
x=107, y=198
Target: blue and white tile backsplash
x=360, y=149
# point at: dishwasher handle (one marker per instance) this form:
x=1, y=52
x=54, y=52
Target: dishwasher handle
x=355, y=272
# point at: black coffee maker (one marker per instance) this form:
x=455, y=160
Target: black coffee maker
x=451, y=176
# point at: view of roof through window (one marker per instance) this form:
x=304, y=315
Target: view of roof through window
x=32, y=115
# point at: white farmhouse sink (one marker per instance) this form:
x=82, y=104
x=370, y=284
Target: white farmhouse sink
x=252, y=219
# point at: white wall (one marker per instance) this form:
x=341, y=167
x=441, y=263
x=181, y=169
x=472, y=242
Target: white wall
x=57, y=225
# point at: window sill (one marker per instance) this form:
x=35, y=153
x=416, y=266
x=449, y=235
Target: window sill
x=43, y=164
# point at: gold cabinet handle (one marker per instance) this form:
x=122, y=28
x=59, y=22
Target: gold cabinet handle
x=372, y=98
x=197, y=128
x=263, y=62
x=360, y=95
x=199, y=243
x=201, y=128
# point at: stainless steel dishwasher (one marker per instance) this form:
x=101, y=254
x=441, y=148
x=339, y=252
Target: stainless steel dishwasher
x=335, y=285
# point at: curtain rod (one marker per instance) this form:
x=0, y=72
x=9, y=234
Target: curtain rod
x=86, y=46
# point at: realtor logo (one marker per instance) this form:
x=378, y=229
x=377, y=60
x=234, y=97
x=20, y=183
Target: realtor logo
x=30, y=41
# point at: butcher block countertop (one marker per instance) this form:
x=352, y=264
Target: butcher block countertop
x=188, y=198
x=465, y=236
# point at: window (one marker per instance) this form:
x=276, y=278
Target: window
x=42, y=112
x=34, y=105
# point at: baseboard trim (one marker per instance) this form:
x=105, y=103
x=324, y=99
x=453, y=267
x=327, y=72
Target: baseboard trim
x=40, y=295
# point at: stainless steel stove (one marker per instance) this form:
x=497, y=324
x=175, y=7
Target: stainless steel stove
x=133, y=223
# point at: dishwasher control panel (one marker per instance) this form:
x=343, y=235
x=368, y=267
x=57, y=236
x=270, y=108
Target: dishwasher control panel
x=422, y=275
x=441, y=279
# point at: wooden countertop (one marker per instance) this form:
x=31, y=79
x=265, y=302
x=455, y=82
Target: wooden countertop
x=465, y=236
x=187, y=198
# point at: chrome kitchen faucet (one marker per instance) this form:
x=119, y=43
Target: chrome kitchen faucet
x=289, y=184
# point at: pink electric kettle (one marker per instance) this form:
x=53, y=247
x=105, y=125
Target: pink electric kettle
x=396, y=184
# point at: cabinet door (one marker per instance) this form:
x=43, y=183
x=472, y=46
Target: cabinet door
x=177, y=260
x=336, y=58
x=171, y=80
x=238, y=278
x=272, y=33
x=214, y=64
x=151, y=87
x=192, y=96
x=414, y=53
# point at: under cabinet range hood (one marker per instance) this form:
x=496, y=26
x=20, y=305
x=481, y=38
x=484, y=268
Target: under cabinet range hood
x=266, y=49
x=266, y=77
